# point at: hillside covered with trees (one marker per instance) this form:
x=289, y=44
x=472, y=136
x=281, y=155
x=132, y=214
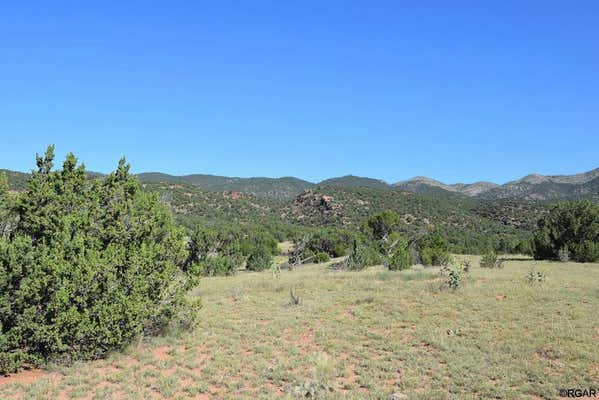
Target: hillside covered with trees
x=470, y=223
x=534, y=187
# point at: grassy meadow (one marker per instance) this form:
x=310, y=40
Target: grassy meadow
x=373, y=334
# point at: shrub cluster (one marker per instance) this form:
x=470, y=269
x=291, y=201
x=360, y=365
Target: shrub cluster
x=568, y=231
x=320, y=245
x=534, y=277
x=453, y=273
x=224, y=250
x=396, y=252
x=490, y=260
x=380, y=225
x=259, y=259
x=362, y=254
x=379, y=241
x=214, y=252
x=433, y=249
x=85, y=265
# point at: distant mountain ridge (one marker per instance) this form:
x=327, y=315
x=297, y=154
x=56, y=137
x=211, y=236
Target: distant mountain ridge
x=423, y=184
x=529, y=187
x=285, y=187
x=354, y=181
x=474, y=189
x=568, y=179
x=540, y=188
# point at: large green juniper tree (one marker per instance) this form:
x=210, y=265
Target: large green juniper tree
x=86, y=266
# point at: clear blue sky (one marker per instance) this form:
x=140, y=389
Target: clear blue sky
x=455, y=90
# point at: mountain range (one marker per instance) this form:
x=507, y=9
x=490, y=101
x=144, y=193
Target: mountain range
x=530, y=187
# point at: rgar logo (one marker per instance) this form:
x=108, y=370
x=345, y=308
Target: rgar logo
x=578, y=393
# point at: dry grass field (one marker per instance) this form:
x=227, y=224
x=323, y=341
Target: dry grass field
x=372, y=334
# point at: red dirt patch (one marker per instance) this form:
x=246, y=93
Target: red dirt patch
x=161, y=352
x=107, y=370
x=307, y=338
x=26, y=377
x=217, y=391
x=380, y=331
x=352, y=376
x=405, y=339
x=275, y=388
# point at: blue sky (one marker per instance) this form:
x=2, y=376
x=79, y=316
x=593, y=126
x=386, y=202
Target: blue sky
x=458, y=91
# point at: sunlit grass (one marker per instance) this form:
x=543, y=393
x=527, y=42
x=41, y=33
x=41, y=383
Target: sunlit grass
x=361, y=335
